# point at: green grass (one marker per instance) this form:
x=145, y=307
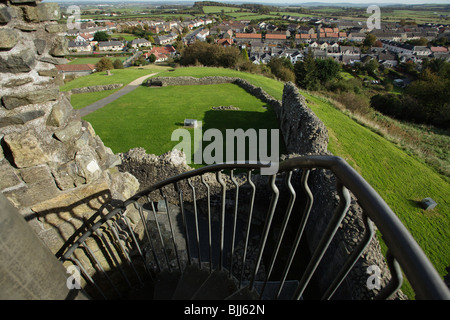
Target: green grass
x=151, y=116
x=272, y=87
x=218, y=9
x=124, y=76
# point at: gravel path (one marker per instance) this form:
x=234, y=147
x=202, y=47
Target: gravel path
x=125, y=90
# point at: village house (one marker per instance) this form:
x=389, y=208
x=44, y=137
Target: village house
x=110, y=46
x=247, y=37
x=137, y=43
x=276, y=39
x=79, y=46
x=166, y=39
x=75, y=69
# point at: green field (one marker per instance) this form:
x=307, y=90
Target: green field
x=151, y=115
x=218, y=9
x=148, y=118
x=124, y=76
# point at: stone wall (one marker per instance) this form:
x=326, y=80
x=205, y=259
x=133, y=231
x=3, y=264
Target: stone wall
x=55, y=170
x=96, y=88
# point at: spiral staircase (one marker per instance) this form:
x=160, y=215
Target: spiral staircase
x=209, y=234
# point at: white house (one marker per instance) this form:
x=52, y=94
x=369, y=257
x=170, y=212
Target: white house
x=110, y=46
x=75, y=46
x=137, y=43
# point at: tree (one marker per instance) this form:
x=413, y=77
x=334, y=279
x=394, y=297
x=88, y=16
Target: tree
x=152, y=58
x=369, y=40
x=282, y=68
x=118, y=64
x=104, y=64
x=245, y=54
x=327, y=70
x=306, y=73
x=101, y=36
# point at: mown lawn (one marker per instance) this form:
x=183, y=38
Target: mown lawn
x=148, y=117
x=124, y=76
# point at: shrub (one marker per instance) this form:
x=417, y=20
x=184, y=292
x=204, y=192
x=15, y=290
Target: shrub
x=118, y=64
x=104, y=64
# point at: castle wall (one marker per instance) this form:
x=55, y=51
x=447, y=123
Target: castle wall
x=54, y=169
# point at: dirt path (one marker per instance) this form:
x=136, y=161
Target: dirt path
x=125, y=90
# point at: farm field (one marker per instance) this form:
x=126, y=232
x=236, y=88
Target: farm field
x=401, y=179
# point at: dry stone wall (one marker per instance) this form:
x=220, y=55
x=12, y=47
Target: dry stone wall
x=54, y=168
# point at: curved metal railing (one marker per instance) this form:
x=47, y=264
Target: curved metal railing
x=205, y=219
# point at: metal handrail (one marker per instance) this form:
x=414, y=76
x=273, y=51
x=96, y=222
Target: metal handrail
x=402, y=248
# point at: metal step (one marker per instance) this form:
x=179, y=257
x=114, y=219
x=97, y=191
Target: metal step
x=217, y=286
x=192, y=279
x=165, y=285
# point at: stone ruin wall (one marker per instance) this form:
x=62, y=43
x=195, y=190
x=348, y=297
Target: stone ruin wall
x=54, y=169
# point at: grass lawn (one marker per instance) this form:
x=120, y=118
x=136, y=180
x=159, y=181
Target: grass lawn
x=151, y=116
x=272, y=87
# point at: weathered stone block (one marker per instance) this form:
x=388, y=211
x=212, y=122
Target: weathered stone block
x=42, y=12
x=40, y=187
x=9, y=177
x=26, y=149
x=8, y=38
x=17, y=100
x=71, y=132
x=21, y=118
x=48, y=73
x=40, y=45
x=59, y=47
x=87, y=162
x=78, y=204
x=23, y=61
x=60, y=113
x=56, y=28
x=48, y=11
x=67, y=176
x=7, y=14
x=14, y=83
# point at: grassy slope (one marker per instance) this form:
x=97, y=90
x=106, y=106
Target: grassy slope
x=399, y=178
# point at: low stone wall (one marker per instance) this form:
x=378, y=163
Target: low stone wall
x=302, y=130
x=97, y=88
